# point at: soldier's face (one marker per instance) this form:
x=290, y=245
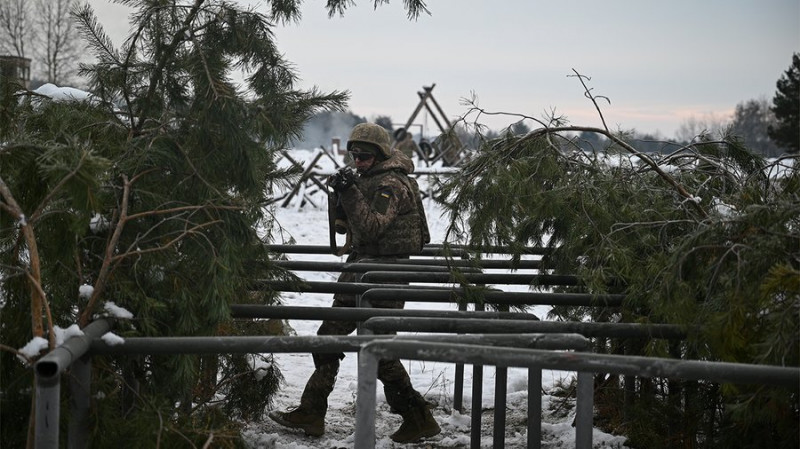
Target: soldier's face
x=363, y=161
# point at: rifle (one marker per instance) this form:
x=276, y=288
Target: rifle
x=337, y=221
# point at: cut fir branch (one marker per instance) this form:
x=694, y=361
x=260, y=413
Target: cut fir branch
x=112, y=257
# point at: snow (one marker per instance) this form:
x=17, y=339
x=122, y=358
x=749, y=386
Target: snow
x=434, y=380
x=117, y=311
x=63, y=93
x=112, y=339
x=85, y=291
x=98, y=223
x=33, y=348
x=63, y=335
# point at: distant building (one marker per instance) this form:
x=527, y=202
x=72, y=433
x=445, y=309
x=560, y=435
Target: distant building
x=16, y=70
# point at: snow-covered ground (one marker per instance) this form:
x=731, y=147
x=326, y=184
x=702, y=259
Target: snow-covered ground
x=308, y=225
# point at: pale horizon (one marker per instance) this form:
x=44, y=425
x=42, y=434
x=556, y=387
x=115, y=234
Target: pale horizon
x=659, y=63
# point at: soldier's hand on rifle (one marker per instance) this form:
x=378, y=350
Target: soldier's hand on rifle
x=342, y=179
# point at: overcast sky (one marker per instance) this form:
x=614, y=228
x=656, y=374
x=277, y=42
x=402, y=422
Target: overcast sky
x=659, y=62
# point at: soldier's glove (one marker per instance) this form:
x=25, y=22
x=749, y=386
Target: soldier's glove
x=342, y=179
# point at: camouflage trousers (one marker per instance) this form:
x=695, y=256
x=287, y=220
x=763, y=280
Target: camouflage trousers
x=400, y=394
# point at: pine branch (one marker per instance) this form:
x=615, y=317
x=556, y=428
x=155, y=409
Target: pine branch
x=166, y=55
x=46, y=201
x=588, y=94
x=647, y=160
x=105, y=269
x=17, y=353
x=169, y=244
x=51, y=331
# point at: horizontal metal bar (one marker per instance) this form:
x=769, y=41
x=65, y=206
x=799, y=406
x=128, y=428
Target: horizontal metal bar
x=353, y=288
x=319, y=343
x=525, y=264
x=359, y=313
x=429, y=249
x=481, y=278
x=326, y=249
x=611, y=330
x=51, y=365
x=358, y=267
x=720, y=372
x=497, y=297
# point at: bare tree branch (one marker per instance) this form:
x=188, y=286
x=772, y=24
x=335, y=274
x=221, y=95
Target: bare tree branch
x=35, y=274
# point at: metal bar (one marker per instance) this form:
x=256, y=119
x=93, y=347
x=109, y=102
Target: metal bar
x=583, y=363
x=611, y=330
x=319, y=343
x=428, y=250
x=426, y=294
x=584, y=405
x=56, y=361
x=477, y=408
x=352, y=288
x=718, y=372
x=47, y=372
x=47, y=414
x=365, y=401
x=357, y=267
x=534, y=408
x=458, y=383
x=477, y=278
x=80, y=387
x=431, y=248
x=477, y=401
x=500, y=393
x=531, y=264
x=500, y=400
x=249, y=311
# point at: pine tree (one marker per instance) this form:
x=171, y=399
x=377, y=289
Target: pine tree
x=786, y=106
x=153, y=192
x=705, y=237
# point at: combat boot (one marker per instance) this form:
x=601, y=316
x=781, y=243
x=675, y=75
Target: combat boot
x=340, y=226
x=418, y=423
x=311, y=423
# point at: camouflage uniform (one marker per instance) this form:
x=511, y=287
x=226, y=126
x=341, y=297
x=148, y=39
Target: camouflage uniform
x=385, y=222
x=408, y=146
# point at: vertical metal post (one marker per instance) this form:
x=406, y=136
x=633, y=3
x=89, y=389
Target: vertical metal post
x=500, y=392
x=79, y=393
x=361, y=302
x=584, y=406
x=477, y=401
x=458, y=382
x=48, y=392
x=534, y=408
x=365, y=400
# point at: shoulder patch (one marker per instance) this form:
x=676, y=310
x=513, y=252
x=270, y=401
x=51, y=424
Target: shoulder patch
x=382, y=200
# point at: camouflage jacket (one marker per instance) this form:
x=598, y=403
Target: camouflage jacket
x=384, y=210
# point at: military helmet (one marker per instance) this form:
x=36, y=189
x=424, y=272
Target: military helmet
x=372, y=134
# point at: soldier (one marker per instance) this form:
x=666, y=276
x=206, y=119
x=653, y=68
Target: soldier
x=405, y=142
x=386, y=220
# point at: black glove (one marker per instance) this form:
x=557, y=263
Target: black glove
x=342, y=179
